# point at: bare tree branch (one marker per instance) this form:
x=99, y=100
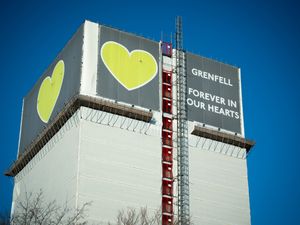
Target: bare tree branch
x=133, y=217
x=33, y=210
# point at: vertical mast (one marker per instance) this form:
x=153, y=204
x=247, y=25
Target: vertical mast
x=182, y=129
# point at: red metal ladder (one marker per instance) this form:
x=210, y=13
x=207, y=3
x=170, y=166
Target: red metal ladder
x=167, y=139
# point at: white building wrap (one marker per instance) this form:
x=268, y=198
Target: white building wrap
x=93, y=159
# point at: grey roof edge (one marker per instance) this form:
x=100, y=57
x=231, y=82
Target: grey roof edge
x=223, y=137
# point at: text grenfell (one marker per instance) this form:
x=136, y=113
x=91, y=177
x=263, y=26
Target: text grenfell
x=212, y=77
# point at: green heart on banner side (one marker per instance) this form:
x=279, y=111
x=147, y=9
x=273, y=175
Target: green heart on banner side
x=131, y=69
x=49, y=92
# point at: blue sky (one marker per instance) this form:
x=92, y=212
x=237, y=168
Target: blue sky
x=260, y=37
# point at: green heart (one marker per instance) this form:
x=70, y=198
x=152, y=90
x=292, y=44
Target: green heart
x=49, y=92
x=131, y=69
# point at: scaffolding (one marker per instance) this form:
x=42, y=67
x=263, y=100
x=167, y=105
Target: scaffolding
x=182, y=129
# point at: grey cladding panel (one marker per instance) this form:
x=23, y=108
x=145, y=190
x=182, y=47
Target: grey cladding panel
x=108, y=86
x=32, y=125
x=213, y=93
